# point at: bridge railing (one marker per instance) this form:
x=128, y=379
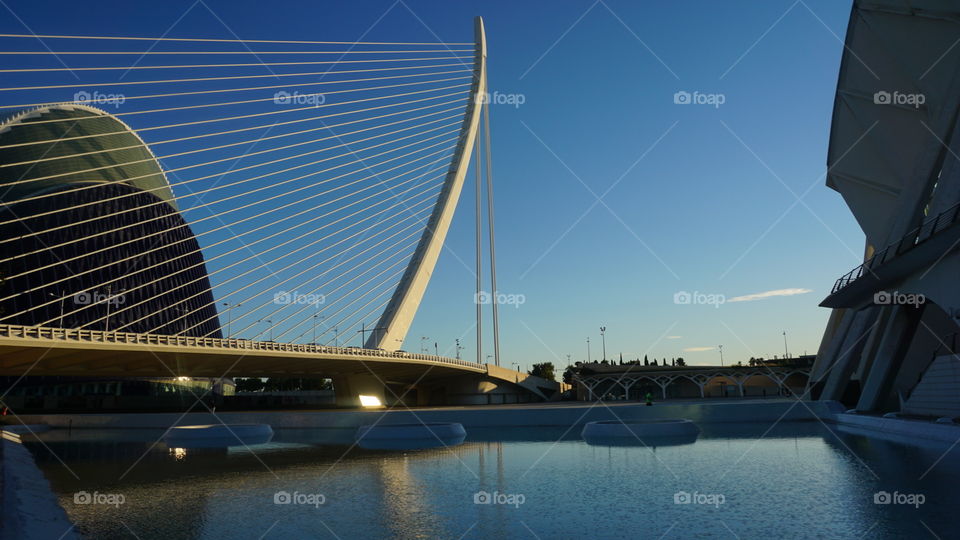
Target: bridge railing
x=102, y=336
x=913, y=238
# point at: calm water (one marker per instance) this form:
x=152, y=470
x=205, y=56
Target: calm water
x=799, y=480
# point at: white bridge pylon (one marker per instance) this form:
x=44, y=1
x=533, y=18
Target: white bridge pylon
x=399, y=313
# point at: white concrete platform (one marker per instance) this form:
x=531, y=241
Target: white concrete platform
x=898, y=429
x=30, y=510
x=26, y=429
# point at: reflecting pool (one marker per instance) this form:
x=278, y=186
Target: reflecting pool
x=796, y=480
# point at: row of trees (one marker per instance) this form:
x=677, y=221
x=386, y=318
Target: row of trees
x=646, y=362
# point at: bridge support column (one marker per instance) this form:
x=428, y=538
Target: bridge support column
x=348, y=390
x=897, y=337
x=847, y=351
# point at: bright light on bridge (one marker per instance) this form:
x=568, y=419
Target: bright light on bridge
x=370, y=401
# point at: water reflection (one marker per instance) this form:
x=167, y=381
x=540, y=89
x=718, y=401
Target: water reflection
x=789, y=480
x=646, y=441
x=410, y=436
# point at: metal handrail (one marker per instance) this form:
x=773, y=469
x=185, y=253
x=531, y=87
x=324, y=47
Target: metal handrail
x=927, y=229
x=79, y=334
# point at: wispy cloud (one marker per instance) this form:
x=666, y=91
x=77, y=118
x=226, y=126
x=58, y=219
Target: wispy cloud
x=768, y=294
x=674, y=337
x=698, y=349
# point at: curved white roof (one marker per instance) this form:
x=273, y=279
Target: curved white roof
x=897, y=99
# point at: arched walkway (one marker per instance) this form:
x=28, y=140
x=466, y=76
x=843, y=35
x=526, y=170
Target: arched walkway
x=721, y=386
x=760, y=384
x=683, y=387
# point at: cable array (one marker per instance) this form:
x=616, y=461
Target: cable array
x=270, y=190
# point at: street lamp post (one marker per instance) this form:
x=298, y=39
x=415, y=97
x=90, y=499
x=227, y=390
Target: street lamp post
x=423, y=344
x=603, y=337
x=109, y=301
x=588, y=350
x=786, y=353
x=315, y=328
x=230, y=317
x=183, y=320
x=270, y=322
x=721, y=354
x=62, y=297
x=458, y=348
x=107, y=322
x=363, y=333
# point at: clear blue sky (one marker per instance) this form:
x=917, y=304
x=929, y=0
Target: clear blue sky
x=701, y=198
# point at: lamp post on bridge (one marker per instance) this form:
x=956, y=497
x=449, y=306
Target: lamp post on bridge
x=230, y=317
x=183, y=320
x=363, y=333
x=423, y=344
x=315, y=327
x=721, y=354
x=459, y=348
x=603, y=337
x=109, y=300
x=786, y=352
x=62, y=298
x=270, y=322
x=588, y=349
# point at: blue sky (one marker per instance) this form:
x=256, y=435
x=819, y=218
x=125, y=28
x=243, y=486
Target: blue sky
x=724, y=200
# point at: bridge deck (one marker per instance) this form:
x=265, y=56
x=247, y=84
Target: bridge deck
x=58, y=351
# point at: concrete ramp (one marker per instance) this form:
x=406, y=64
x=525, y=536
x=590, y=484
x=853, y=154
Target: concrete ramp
x=540, y=387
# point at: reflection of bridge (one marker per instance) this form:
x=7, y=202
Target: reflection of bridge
x=634, y=382
x=259, y=260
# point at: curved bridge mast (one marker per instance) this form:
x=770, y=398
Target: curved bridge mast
x=395, y=321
